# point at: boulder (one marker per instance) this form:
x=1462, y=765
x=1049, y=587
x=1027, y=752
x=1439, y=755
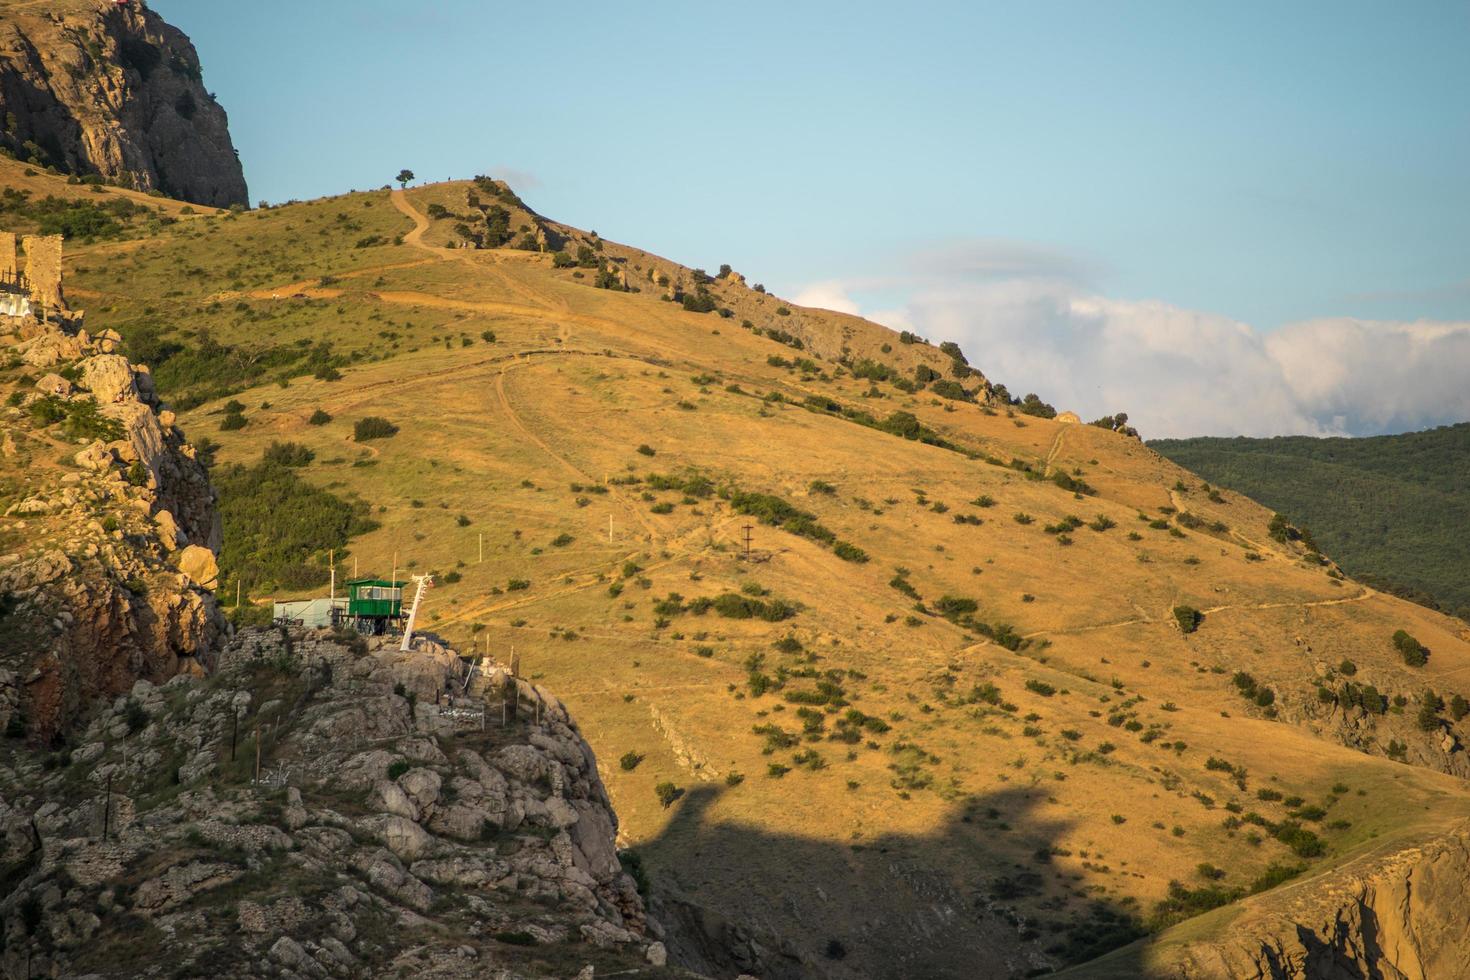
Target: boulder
x=54, y=384
x=422, y=786
x=109, y=377
x=404, y=838
x=168, y=530
x=199, y=564
x=390, y=798
x=96, y=457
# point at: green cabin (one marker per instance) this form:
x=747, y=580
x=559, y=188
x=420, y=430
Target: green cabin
x=374, y=598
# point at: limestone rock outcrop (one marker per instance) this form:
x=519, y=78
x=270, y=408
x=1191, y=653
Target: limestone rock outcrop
x=111, y=89
x=109, y=537
x=381, y=835
x=1399, y=915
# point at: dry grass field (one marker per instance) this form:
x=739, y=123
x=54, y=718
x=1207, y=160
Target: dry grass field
x=991, y=734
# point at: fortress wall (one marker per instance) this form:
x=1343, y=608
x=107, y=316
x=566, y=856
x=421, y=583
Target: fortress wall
x=43, y=269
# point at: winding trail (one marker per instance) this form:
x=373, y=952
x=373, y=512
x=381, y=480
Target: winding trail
x=1056, y=447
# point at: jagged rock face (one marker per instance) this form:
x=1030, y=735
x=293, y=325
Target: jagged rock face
x=389, y=833
x=115, y=91
x=113, y=554
x=1399, y=917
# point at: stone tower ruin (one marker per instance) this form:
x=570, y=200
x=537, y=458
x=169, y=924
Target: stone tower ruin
x=36, y=292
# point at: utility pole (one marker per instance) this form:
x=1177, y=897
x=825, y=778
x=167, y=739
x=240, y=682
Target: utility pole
x=482, y=547
x=332, y=561
x=609, y=528
x=237, y=593
x=748, y=529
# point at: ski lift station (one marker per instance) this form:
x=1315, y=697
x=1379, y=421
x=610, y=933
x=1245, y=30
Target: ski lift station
x=372, y=606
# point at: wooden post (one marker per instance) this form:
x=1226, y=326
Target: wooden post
x=237, y=593
x=482, y=547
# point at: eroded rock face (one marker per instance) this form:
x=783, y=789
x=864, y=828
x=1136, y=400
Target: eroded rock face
x=114, y=549
x=440, y=848
x=113, y=90
x=1400, y=915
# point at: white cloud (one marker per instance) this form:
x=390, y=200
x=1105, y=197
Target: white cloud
x=1177, y=372
x=827, y=295
x=520, y=181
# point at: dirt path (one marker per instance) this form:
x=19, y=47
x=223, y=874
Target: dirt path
x=1056, y=447
x=1367, y=593
x=420, y=221
x=515, y=420
x=415, y=239
x=1143, y=619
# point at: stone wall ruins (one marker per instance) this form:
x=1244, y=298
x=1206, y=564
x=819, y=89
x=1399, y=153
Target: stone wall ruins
x=43, y=270
x=8, y=270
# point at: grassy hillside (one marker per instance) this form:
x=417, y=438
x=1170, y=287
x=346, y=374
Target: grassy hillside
x=991, y=694
x=1392, y=510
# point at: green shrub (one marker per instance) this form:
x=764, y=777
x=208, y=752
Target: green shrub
x=630, y=761
x=1429, y=708
x=1415, y=654
x=373, y=427
x=1188, y=618
x=278, y=528
x=287, y=454
x=135, y=715
x=667, y=793
x=399, y=768
x=319, y=417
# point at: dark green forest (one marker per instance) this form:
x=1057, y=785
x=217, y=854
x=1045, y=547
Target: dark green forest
x=1393, y=511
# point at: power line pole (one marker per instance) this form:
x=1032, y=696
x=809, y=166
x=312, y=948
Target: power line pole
x=747, y=529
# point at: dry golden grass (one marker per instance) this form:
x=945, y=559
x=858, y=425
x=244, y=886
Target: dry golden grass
x=577, y=378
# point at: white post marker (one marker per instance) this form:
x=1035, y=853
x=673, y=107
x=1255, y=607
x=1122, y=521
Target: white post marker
x=425, y=582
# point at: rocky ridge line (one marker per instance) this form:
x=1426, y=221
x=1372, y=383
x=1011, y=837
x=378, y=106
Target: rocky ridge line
x=113, y=90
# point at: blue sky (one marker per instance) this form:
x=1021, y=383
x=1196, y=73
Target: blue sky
x=1264, y=163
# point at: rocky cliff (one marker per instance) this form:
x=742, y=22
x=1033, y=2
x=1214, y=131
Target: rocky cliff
x=111, y=89
x=1396, y=913
x=108, y=536
x=319, y=807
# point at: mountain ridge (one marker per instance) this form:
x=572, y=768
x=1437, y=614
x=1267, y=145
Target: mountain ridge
x=111, y=91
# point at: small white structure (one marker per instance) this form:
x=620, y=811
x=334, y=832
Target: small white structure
x=311, y=613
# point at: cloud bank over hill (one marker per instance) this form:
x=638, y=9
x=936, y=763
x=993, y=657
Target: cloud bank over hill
x=1029, y=320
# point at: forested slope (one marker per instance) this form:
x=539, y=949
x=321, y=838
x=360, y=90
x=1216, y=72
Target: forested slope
x=1390, y=509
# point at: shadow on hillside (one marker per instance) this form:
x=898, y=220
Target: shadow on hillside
x=984, y=896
